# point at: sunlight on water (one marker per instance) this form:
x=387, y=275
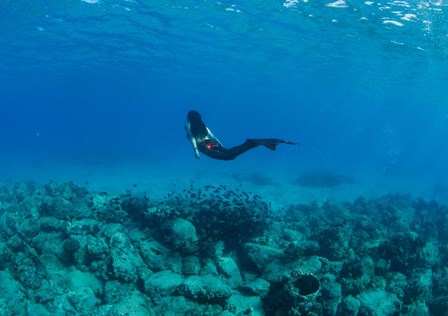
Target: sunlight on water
x=123, y=33
x=404, y=28
x=390, y=12
x=337, y=4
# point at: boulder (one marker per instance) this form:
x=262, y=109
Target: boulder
x=229, y=269
x=260, y=255
x=259, y=287
x=181, y=235
x=205, y=289
x=378, y=302
x=163, y=282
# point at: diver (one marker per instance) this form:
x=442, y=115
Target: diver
x=205, y=142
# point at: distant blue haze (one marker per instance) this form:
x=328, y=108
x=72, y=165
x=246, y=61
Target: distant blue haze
x=362, y=85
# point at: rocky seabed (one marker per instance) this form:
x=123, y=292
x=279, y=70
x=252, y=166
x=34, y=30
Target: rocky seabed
x=217, y=251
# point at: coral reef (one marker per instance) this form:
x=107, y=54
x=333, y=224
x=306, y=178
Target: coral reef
x=216, y=251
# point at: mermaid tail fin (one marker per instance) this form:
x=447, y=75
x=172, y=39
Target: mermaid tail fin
x=272, y=143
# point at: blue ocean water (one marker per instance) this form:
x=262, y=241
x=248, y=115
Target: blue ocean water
x=94, y=94
x=86, y=84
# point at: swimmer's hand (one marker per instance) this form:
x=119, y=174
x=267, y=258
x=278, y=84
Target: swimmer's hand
x=196, y=154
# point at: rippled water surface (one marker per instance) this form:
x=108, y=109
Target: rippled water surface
x=153, y=33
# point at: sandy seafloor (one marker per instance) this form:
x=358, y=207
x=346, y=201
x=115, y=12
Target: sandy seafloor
x=276, y=184
x=372, y=256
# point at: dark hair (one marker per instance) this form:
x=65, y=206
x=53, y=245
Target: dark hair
x=197, y=126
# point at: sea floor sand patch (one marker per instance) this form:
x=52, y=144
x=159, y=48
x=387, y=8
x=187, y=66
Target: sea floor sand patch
x=278, y=186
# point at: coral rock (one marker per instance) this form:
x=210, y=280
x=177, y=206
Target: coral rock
x=181, y=235
x=260, y=255
x=205, y=289
x=229, y=269
x=163, y=282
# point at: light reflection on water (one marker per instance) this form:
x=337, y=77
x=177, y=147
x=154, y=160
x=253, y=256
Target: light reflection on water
x=281, y=36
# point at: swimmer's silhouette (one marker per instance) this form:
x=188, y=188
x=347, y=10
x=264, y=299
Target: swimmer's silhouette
x=205, y=142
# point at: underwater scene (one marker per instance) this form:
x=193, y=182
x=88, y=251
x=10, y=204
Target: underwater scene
x=275, y=157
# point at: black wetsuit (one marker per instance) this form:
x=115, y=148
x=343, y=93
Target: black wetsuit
x=213, y=149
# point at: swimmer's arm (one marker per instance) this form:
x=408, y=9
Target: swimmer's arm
x=193, y=141
x=210, y=134
x=195, y=147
